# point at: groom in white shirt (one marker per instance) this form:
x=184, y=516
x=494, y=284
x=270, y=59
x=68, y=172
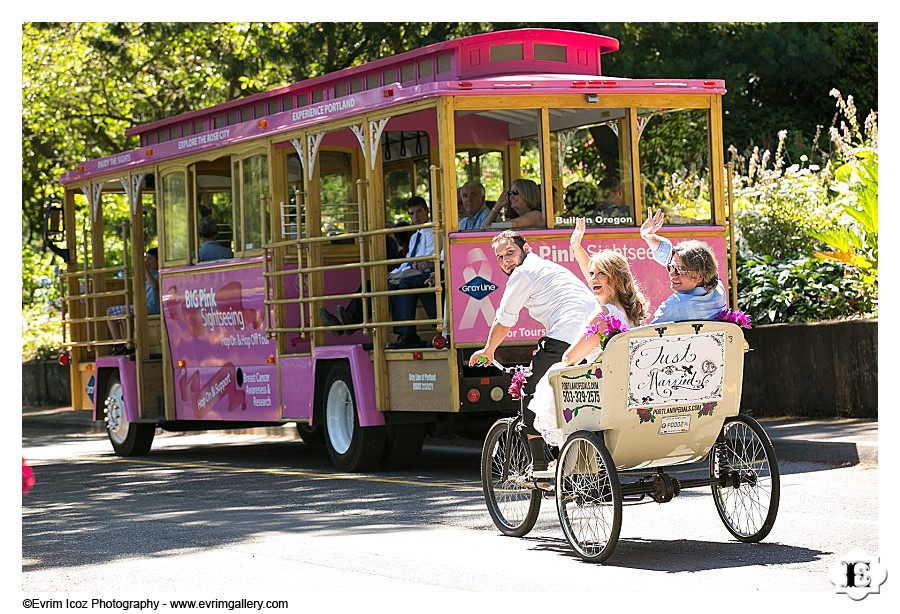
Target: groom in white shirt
x=554, y=297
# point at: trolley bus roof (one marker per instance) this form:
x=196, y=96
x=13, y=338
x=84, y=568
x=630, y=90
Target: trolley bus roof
x=527, y=61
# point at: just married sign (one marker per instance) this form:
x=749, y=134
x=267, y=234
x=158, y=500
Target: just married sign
x=677, y=370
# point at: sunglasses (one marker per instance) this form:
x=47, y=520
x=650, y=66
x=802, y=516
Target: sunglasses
x=513, y=192
x=671, y=268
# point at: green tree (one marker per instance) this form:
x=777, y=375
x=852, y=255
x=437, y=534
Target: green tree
x=85, y=84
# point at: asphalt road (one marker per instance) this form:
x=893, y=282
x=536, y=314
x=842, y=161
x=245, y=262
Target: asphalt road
x=221, y=516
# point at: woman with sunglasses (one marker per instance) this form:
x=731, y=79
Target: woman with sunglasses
x=698, y=294
x=524, y=198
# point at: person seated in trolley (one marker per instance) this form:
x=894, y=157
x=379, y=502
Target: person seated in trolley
x=581, y=199
x=210, y=248
x=413, y=275
x=612, y=209
x=524, y=198
x=474, y=211
x=151, y=289
x=698, y=293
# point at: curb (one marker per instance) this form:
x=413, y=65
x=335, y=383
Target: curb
x=835, y=442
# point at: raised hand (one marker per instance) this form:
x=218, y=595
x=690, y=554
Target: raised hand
x=651, y=227
x=653, y=223
x=577, y=233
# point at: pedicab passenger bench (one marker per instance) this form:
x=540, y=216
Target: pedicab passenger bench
x=659, y=393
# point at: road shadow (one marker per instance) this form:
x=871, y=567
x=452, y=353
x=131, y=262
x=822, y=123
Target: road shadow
x=94, y=508
x=97, y=508
x=690, y=555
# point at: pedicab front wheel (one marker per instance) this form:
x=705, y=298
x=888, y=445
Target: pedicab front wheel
x=505, y=458
x=588, y=496
x=747, y=497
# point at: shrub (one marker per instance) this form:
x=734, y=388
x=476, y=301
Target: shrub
x=777, y=207
x=854, y=241
x=41, y=332
x=800, y=290
x=808, y=233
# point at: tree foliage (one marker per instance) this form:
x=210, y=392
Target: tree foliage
x=84, y=84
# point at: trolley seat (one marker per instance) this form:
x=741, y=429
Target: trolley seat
x=659, y=393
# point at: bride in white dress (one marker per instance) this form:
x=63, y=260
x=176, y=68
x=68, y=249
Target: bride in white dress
x=618, y=296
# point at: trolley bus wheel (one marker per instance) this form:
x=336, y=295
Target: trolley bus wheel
x=351, y=447
x=588, y=497
x=127, y=438
x=403, y=445
x=514, y=507
x=748, y=502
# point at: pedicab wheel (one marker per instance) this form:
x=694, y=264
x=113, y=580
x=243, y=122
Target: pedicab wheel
x=513, y=506
x=588, y=496
x=747, y=500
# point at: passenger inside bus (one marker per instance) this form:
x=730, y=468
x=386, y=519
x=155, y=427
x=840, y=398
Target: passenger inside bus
x=402, y=237
x=413, y=275
x=471, y=198
x=524, y=198
x=151, y=288
x=210, y=248
x=611, y=209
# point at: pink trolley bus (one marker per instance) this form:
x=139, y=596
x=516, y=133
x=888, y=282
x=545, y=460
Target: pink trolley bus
x=307, y=183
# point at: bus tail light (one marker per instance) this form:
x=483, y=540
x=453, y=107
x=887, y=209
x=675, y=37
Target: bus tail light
x=63, y=359
x=439, y=342
x=496, y=393
x=474, y=395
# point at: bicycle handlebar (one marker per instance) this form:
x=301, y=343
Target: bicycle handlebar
x=526, y=369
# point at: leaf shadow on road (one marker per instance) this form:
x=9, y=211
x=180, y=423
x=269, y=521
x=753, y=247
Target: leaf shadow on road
x=97, y=508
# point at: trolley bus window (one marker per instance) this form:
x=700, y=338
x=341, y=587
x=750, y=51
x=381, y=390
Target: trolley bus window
x=254, y=184
x=485, y=166
x=511, y=139
x=215, y=199
x=290, y=215
x=175, y=212
x=404, y=155
x=590, y=146
x=337, y=192
x=675, y=163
